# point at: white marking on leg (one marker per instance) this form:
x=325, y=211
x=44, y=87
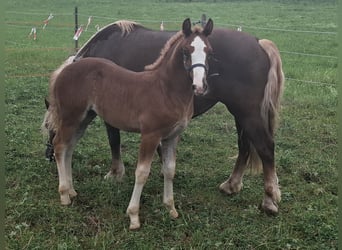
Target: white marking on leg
x=169, y=166
x=68, y=166
x=272, y=196
x=63, y=187
x=141, y=174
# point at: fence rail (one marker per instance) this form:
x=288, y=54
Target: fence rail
x=69, y=26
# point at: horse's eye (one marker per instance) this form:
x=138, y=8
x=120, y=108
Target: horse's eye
x=210, y=55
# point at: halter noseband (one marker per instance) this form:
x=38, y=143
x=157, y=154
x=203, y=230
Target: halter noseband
x=195, y=66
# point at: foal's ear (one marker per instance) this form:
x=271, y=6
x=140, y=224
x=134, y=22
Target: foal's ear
x=208, y=27
x=187, y=27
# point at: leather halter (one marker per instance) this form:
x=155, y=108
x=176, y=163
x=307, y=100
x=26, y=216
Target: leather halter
x=195, y=66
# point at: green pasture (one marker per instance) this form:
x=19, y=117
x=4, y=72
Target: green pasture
x=306, y=141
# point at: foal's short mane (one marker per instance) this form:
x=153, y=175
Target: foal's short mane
x=175, y=38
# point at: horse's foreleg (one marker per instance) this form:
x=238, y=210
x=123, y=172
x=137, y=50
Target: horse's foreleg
x=147, y=148
x=49, y=152
x=168, y=148
x=117, y=168
x=234, y=183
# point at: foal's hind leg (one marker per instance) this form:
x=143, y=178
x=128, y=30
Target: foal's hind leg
x=64, y=143
x=117, y=167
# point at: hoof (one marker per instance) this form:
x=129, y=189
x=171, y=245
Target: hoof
x=134, y=226
x=133, y=214
x=65, y=200
x=174, y=214
x=135, y=223
x=72, y=193
x=117, y=174
x=269, y=207
x=229, y=187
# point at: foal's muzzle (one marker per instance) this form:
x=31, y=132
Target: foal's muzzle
x=199, y=89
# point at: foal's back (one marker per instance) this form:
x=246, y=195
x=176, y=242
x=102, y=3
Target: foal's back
x=98, y=79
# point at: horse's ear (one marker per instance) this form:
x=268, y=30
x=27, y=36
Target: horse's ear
x=187, y=27
x=208, y=27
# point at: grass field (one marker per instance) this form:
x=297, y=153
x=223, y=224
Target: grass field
x=306, y=141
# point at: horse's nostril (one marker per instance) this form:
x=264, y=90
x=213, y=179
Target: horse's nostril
x=193, y=86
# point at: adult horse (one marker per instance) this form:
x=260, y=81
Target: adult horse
x=245, y=74
x=157, y=103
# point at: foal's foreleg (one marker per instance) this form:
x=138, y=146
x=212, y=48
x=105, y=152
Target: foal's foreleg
x=147, y=148
x=168, y=149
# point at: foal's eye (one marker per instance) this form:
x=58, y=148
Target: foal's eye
x=186, y=53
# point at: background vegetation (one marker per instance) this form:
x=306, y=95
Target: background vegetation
x=306, y=142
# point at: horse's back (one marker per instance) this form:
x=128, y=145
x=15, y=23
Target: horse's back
x=239, y=53
x=132, y=49
x=242, y=69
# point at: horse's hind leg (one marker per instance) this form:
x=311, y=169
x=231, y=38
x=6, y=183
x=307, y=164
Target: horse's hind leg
x=234, y=183
x=117, y=168
x=168, y=148
x=264, y=145
x=272, y=192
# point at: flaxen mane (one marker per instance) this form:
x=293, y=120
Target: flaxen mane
x=125, y=26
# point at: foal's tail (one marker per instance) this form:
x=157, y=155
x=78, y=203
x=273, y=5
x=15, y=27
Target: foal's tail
x=271, y=102
x=50, y=119
x=274, y=87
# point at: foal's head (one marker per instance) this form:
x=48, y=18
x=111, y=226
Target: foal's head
x=196, y=49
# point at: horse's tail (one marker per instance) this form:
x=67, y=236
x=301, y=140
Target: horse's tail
x=50, y=119
x=271, y=102
x=274, y=87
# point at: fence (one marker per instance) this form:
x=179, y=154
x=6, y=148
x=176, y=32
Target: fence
x=69, y=26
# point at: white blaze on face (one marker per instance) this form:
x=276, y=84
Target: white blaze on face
x=198, y=56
